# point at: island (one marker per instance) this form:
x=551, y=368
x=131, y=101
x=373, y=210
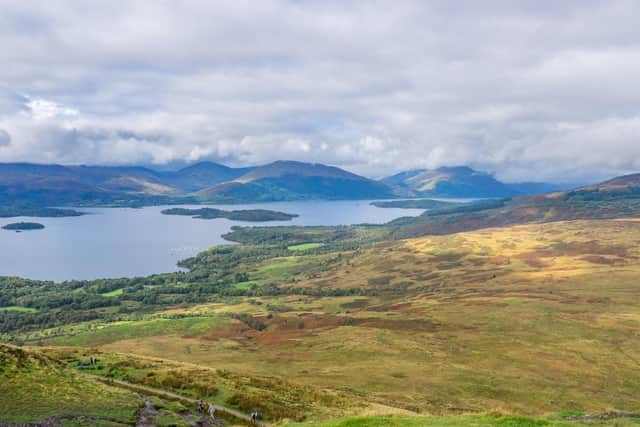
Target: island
x=23, y=226
x=254, y=215
x=413, y=204
x=36, y=211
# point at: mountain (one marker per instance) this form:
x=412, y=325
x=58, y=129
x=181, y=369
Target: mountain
x=616, y=198
x=54, y=184
x=289, y=180
x=460, y=181
x=45, y=185
x=203, y=175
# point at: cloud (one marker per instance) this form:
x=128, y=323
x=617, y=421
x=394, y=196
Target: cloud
x=525, y=90
x=5, y=138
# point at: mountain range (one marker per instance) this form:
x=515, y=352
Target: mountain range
x=206, y=182
x=24, y=183
x=460, y=181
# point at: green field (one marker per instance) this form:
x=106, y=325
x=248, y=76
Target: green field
x=112, y=332
x=305, y=246
x=114, y=293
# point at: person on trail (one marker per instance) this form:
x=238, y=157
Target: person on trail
x=212, y=410
x=254, y=417
x=201, y=406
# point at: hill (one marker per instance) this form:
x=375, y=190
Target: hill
x=24, y=184
x=35, y=387
x=459, y=181
x=202, y=175
x=615, y=198
x=288, y=180
x=31, y=184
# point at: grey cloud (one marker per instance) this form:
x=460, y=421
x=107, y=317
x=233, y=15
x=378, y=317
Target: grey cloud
x=525, y=90
x=5, y=138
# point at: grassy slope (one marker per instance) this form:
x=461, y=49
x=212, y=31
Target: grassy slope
x=35, y=387
x=527, y=319
x=459, y=421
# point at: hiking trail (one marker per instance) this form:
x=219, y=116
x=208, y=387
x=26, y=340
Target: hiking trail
x=170, y=395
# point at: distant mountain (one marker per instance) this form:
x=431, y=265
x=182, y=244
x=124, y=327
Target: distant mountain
x=27, y=184
x=459, y=181
x=289, y=180
x=616, y=198
x=203, y=175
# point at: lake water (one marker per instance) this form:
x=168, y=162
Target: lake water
x=124, y=242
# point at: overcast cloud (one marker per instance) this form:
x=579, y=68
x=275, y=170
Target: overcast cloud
x=528, y=90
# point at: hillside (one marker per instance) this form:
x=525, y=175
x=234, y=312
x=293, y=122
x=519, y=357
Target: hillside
x=459, y=181
x=35, y=387
x=615, y=198
x=23, y=184
x=202, y=175
x=288, y=180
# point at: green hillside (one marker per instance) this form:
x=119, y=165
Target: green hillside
x=35, y=387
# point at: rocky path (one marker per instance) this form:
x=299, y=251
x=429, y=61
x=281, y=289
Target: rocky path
x=169, y=395
x=147, y=414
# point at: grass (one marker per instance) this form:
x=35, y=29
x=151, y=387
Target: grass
x=459, y=421
x=114, y=293
x=304, y=247
x=34, y=387
x=19, y=309
x=112, y=332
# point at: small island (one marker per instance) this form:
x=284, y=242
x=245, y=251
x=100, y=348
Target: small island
x=254, y=215
x=23, y=226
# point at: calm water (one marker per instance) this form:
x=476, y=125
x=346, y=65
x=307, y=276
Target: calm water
x=119, y=242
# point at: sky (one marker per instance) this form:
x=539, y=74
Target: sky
x=527, y=90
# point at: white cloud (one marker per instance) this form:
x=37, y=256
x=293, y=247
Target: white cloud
x=526, y=90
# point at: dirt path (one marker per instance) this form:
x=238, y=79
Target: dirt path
x=169, y=395
x=147, y=414
x=612, y=415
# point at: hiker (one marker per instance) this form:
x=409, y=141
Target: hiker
x=212, y=411
x=201, y=406
x=254, y=417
